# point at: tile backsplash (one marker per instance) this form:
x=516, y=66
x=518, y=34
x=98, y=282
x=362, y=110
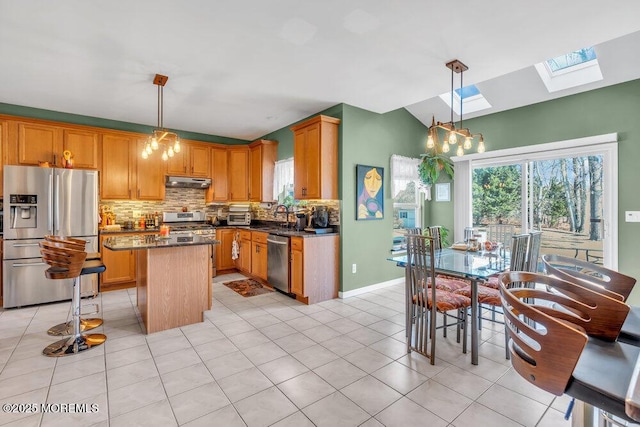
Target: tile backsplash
x=194, y=200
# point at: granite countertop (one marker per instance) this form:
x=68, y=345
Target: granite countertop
x=130, y=230
x=126, y=243
x=279, y=231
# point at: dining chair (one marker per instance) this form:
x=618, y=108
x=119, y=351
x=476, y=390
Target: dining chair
x=414, y=230
x=562, y=342
x=599, y=279
x=501, y=233
x=435, y=231
x=425, y=301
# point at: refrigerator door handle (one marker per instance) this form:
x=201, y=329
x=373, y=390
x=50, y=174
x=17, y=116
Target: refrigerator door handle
x=24, y=245
x=56, y=225
x=28, y=264
x=50, y=205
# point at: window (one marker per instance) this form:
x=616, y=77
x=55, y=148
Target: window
x=283, y=181
x=405, y=190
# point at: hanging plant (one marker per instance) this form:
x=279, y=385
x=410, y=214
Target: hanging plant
x=432, y=164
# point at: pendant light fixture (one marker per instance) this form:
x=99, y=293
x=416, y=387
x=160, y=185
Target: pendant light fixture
x=460, y=137
x=161, y=136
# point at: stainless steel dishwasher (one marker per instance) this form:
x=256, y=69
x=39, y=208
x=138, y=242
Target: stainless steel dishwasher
x=278, y=262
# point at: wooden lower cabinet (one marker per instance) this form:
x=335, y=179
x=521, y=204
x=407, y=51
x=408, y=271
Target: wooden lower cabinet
x=315, y=269
x=243, y=262
x=121, y=266
x=224, y=261
x=259, y=255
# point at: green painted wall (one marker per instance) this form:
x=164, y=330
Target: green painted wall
x=607, y=110
x=37, y=113
x=370, y=139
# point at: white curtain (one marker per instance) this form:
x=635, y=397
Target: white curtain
x=283, y=177
x=403, y=171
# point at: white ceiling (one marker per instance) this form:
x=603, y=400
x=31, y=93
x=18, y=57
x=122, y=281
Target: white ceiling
x=244, y=68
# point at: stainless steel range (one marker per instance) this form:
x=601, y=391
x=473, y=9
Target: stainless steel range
x=188, y=223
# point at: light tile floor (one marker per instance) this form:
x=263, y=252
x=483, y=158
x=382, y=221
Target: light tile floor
x=264, y=360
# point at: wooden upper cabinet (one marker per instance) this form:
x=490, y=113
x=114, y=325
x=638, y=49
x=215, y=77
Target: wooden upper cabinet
x=238, y=174
x=218, y=192
x=125, y=174
x=193, y=160
x=262, y=160
x=177, y=165
x=200, y=160
x=149, y=175
x=84, y=146
x=315, y=158
x=38, y=143
x=118, y=165
x=3, y=140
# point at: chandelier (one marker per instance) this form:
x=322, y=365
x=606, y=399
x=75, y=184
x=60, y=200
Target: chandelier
x=462, y=137
x=161, y=136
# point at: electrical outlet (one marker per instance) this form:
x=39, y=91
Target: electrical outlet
x=354, y=268
x=632, y=216
x=136, y=214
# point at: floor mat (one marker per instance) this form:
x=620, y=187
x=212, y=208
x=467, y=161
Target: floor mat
x=248, y=287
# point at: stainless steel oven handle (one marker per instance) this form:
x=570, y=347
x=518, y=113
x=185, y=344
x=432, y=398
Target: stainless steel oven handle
x=28, y=264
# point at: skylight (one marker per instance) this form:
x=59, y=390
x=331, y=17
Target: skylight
x=472, y=99
x=571, y=59
x=573, y=69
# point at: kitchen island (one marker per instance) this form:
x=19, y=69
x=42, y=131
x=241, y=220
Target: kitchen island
x=173, y=278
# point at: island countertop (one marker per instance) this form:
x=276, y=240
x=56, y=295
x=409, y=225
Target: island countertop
x=153, y=241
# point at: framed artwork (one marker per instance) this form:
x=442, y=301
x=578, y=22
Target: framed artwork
x=369, y=192
x=443, y=192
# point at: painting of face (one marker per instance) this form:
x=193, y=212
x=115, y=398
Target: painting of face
x=370, y=199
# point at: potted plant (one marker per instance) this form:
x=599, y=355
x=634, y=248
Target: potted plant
x=432, y=164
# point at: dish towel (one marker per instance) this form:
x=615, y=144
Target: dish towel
x=235, y=250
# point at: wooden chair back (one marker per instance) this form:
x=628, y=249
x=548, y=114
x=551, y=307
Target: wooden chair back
x=595, y=277
x=598, y=315
x=65, y=262
x=546, y=353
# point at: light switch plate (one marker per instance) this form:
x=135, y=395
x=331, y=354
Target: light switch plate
x=632, y=216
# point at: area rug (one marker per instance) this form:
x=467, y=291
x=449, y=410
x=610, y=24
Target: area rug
x=248, y=287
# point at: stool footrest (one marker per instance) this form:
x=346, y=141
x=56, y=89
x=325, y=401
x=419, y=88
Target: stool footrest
x=74, y=345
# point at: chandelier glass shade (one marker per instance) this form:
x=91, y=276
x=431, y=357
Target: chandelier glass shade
x=453, y=136
x=161, y=137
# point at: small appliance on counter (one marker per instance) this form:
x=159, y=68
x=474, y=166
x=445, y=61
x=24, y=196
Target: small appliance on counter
x=319, y=220
x=239, y=214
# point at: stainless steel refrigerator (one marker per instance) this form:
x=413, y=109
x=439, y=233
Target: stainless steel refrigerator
x=40, y=201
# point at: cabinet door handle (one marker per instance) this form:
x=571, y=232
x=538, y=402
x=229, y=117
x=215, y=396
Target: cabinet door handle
x=191, y=169
x=129, y=193
x=138, y=193
x=184, y=169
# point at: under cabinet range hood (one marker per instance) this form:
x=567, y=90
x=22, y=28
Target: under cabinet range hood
x=187, y=182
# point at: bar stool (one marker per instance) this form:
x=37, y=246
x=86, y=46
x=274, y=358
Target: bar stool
x=66, y=328
x=66, y=261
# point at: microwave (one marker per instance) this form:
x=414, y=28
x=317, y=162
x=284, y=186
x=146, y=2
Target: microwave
x=239, y=218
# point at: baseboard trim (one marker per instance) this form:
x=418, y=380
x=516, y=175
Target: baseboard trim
x=370, y=288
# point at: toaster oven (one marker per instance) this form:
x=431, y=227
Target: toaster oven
x=239, y=218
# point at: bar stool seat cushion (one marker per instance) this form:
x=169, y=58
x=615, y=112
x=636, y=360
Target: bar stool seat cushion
x=92, y=266
x=604, y=386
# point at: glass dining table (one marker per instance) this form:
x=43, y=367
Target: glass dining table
x=475, y=266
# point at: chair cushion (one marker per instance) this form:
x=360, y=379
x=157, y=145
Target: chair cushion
x=602, y=375
x=445, y=301
x=630, y=332
x=486, y=295
x=450, y=284
x=492, y=282
x=93, y=266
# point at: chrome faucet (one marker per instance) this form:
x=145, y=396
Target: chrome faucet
x=286, y=212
